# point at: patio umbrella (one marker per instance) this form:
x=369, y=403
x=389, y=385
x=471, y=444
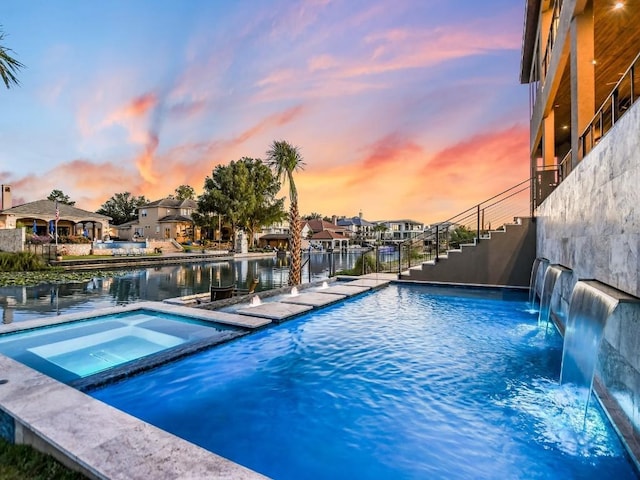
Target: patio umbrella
x=34, y=229
x=52, y=227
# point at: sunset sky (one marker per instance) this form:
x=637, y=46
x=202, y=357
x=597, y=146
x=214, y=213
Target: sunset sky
x=401, y=108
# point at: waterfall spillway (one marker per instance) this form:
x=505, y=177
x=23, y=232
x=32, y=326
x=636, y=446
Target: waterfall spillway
x=588, y=312
x=533, y=282
x=551, y=276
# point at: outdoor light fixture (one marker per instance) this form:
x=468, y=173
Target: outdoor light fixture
x=618, y=5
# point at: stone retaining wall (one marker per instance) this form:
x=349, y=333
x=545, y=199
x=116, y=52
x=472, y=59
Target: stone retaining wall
x=12, y=240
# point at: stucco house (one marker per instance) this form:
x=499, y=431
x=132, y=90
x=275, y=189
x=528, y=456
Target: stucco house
x=164, y=219
x=40, y=217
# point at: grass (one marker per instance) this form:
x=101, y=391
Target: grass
x=22, y=462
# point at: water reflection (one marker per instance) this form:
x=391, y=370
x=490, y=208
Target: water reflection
x=159, y=283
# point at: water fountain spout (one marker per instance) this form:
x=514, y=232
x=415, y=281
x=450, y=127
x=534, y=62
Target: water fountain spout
x=324, y=285
x=551, y=276
x=255, y=301
x=533, y=282
x=294, y=291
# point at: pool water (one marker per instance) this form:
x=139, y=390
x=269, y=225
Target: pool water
x=406, y=382
x=70, y=351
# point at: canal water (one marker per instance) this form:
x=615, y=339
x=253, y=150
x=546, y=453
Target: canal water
x=162, y=282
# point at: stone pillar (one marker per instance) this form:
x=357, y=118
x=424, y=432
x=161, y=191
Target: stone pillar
x=241, y=245
x=582, y=77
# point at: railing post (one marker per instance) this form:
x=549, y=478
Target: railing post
x=478, y=224
x=437, y=244
x=399, y=261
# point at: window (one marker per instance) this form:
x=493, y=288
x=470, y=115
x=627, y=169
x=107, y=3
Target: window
x=143, y=212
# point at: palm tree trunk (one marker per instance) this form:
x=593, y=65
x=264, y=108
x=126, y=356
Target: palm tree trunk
x=295, y=274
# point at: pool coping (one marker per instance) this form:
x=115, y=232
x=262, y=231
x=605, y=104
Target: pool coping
x=96, y=439
x=101, y=441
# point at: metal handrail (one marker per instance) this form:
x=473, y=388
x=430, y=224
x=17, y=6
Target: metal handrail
x=470, y=225
x=611, y=105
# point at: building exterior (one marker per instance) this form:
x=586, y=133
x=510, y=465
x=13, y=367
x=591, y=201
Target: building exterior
x=168, y=218
x=397, y=231
x=360, y=230
x=45, y=217
x=575, y=55
x=581, y=60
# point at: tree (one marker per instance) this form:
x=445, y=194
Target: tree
x=243, y=192
x=263, y=207
x=379, y=229
x=460, y=235
x=59, y=196
x=285, y=159
x=184, y=192
x=9, y=66
x=122, y=207
x=313, y=216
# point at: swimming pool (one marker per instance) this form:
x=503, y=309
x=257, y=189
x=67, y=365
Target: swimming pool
x=406, y=382
x=76, y=350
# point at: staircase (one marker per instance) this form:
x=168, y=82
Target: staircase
x=466, y=250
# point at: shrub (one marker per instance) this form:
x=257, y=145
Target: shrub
x=40, y=240
x=21, y=262
x=75, y=239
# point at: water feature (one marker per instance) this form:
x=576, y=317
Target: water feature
x=324, y=285
x=533, y=282
x=551, y=276
x=398, y=383
x=255, y=301
x=158, y=283
x=588, y=312
x=294, y=292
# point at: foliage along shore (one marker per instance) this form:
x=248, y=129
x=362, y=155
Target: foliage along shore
x=55, y=275
x=27, y=269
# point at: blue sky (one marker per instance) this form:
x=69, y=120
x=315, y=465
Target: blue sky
x=404, y=108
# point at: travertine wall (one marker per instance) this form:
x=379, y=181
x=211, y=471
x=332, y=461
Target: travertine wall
x=12, y=240
x=591, y=222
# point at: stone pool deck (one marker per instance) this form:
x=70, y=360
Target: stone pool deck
x=105, y=443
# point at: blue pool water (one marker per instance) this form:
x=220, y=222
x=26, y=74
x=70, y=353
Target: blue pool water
x=403, y=383
x=70, y=351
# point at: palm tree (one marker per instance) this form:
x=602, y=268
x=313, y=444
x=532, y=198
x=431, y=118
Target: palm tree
x=9, y=66
x=284, y=159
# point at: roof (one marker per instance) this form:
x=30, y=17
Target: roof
x=532, y=12
x=402, y=220
x=176, y=218
x=345, y=222
x=328, y=235
x=46, y=210
x=320, y=225
x=171, y=203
